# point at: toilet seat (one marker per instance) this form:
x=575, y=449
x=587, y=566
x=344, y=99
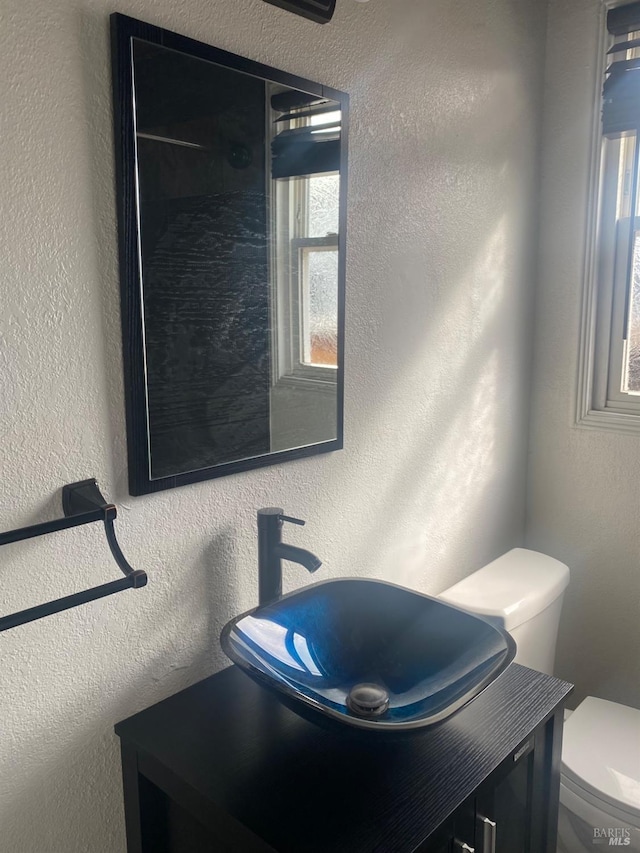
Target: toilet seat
x=601, y=758
x=593, y=810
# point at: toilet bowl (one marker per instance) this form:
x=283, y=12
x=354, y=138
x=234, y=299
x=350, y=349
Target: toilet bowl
x=600, y=781
x=522, y=591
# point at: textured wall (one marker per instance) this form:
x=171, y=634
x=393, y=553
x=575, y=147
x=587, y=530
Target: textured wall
x=584, y=486
x=445, y=115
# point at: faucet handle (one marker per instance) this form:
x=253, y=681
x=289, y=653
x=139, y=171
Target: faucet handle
x=292, y=520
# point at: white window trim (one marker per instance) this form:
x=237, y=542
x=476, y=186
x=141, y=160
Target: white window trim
x=298, y=368
x=594, y=407
x=286, y=201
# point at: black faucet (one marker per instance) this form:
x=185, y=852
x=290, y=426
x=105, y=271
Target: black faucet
x=272, y=550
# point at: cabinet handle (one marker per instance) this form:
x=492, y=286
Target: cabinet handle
x=460, y=845
x=488, y=835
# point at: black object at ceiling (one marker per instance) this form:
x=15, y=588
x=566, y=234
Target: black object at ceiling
x=621, y=90
x=320, y=11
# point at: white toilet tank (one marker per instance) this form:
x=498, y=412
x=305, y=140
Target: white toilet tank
x=521, y=591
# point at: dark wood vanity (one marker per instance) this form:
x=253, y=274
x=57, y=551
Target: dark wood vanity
x=224, y=766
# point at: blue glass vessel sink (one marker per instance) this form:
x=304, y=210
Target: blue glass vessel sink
x=368, y=653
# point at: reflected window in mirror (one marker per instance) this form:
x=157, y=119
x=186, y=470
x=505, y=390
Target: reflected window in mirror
x=305, y=208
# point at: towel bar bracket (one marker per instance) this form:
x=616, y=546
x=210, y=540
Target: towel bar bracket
x=84, y=496
x=82, y=503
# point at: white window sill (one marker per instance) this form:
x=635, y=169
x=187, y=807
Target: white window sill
x=609, y=420
x=308, y=381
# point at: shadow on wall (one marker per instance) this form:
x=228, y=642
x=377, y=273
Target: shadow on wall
x=594, y=662
x=68, y=760
x=93, y=29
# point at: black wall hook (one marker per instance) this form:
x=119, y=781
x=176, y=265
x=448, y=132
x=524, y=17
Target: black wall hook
x=82, y=503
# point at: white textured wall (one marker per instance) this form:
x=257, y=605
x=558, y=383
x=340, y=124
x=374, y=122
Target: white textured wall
x=445, y=102
x=584, y=486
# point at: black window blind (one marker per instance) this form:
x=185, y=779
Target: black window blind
x=621, y=90
x=308, y=149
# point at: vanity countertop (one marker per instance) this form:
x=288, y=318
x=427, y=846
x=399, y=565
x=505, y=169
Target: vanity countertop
x=227, y=748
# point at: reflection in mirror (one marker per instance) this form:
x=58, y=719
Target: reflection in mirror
x=233, y=200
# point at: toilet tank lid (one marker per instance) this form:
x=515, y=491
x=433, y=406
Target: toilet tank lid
x=601, y=752
x=514, y=588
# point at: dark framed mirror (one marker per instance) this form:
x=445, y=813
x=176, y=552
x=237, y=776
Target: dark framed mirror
x=231, y=186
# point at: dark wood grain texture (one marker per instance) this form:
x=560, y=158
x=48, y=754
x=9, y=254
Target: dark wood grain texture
x=228, y=747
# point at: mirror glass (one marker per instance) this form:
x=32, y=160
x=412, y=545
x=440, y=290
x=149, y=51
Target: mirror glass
x=233, y=293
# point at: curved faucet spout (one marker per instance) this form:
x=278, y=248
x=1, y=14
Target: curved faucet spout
x=272, y=550
x=297, y=555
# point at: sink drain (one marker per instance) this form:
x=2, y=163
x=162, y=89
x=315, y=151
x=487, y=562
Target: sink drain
x=367, y=700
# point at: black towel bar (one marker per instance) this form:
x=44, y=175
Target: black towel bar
x=82, y=503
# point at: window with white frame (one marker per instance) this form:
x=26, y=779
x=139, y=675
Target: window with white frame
x=305, y=213
x=609, y=381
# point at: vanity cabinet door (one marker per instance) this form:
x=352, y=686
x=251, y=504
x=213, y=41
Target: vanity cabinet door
x=504, y=807
x=440, y=841
x=440, y=847
x=455, y=835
